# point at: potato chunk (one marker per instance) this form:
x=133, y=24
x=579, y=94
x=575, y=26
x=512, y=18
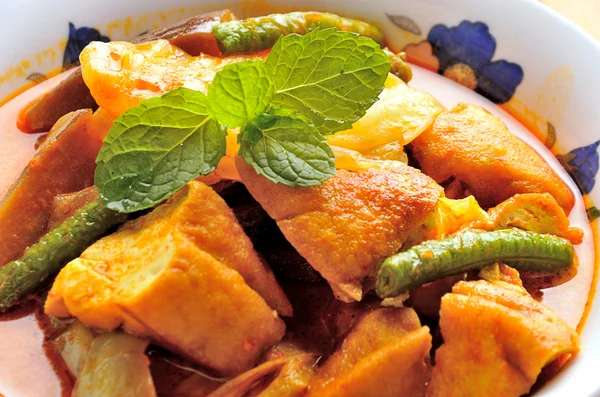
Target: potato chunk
x=476, y=149
x=345, y=226
x=497, y=339
x=185, y=276
x=383, y=355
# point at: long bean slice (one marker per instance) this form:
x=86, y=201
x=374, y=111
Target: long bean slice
x=256, y=34
x=399, y=67
x=45, y=258
x=471, y=250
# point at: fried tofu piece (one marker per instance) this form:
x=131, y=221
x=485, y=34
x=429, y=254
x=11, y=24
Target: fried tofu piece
x=203, y=217
x=345, y=226
x=497, y=339
x=471, y=147
x=185, y=276
x=538, y=212
x=216, y=230
x=385, y=354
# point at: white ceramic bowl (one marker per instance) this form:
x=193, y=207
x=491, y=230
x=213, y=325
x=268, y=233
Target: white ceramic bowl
x=549, y=68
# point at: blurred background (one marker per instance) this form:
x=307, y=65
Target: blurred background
x=586, y=13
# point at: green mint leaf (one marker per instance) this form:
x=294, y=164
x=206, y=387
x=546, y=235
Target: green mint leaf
x=329, y=76
x=155, y=148
x=239, y=92
x=286, y=148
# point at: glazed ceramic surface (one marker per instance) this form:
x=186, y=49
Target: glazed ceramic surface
x=518, y=54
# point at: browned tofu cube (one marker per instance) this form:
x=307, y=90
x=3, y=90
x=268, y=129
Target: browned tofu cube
x=167, y=276
x=497, y=339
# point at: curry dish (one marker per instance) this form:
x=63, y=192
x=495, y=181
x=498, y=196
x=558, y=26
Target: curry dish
x=266, y=207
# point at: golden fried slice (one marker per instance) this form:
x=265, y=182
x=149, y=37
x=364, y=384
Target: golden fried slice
x=177, y=295
x=120, y=75
x=345, y=226
x=477, y=149
x=201, y=309
x=184, y=275
x=497, y=339
x=384, y=355
x=208, y=222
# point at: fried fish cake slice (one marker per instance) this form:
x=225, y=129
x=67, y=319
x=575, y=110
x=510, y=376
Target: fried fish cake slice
x=345, y=226
x=473, y=147
x=497, y=339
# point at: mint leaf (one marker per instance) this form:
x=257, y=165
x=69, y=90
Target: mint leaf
x=310, y=86
x=287, y=149
x=239, y=92
x=155, y=148
x=329, y=76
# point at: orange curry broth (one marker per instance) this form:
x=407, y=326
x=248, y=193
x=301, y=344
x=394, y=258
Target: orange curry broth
x=33, y=355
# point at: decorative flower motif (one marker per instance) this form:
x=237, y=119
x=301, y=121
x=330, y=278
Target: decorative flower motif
x=462, y=74
x=78, y=39
x=582, y=164
x=37, y=77
x=550, y=135
x=592, y=213
x=406, y=23
x=464, y=54
x=471, y=45
x=422, y=54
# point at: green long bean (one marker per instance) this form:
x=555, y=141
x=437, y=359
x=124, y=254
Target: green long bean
x=471, y=250
x=256, y=34
x=45, y=258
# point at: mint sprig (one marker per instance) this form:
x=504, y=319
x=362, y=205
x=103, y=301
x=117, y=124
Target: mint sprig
x=308, y=87
x=240, y=92
x=331, y=77
x=155, y=148
x=284, y=147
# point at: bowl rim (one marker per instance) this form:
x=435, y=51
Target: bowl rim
x=537, y=7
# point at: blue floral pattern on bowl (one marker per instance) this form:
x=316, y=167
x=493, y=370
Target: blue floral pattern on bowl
x=78, y=39
x=582, y=164
x=465, y=53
